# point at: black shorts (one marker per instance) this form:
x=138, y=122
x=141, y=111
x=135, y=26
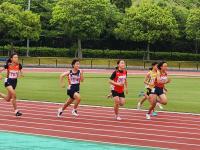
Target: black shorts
x=73, y=89
x=115, y=93
x=158, y=91
x=11, y=82
x=148, y=91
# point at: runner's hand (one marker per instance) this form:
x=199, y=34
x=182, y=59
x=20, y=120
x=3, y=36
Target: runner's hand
x=63, y=85
x=21, y=76
x=152, y=84
x=169, y=80
x=126, y=91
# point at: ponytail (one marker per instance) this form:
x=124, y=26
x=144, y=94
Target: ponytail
x=8, y=61
x=151, y=68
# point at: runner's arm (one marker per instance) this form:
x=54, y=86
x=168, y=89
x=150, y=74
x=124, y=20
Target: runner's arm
x=82, y=77
x=62, y=76
x=147, y=77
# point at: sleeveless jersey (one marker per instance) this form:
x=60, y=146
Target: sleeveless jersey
x=119, y=77
x=152, y=79
x=74, y=78
x=163, y=79
x=13, y=70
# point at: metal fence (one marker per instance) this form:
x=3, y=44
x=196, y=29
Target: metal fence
x=102, y=63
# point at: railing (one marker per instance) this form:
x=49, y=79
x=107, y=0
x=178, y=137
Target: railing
x=101, y=63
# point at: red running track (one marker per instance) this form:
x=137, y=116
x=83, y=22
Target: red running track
x=168, y=130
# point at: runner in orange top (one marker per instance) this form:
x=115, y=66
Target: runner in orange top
x=14, y=71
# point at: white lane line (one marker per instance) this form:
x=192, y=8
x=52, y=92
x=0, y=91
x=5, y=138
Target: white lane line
x=92, y=134
x=102, y=125
x=127, y=114
x=91, y=106
x=104, y=113
x=96, y=129
x=103, y=107
x=34, y=113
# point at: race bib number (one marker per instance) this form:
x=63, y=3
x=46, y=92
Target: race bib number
x=163, y=79
x=121, y=79
x=13, y=74
x=75, y=79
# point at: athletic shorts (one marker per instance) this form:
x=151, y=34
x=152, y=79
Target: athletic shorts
x=115, y=93
x=148, y=91
x=158, y=91
x=11, y=82
x=73, y=89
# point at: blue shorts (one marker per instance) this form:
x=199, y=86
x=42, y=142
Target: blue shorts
x=73, y=89
x=11, y=82
x=158, y=91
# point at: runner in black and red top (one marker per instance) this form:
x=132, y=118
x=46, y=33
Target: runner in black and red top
x=119, y=80
x=158, y=90
x=74, y=77
x=14, y=71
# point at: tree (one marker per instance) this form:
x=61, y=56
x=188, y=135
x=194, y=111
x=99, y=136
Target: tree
x=10, y=20
x=193, y=26
x=122, y=4
x=148, y=23
x=43, y=8
x=187, y=3
x=17, y=23
x=181, y=14
x=82, y=19
x=114, y=16
x=31, y=27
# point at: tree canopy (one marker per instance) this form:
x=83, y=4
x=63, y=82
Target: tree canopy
x=149, y=23
x=18, y=23
x=82, y=19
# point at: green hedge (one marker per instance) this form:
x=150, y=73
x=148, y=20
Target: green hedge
x=89, y=53
x=175, y=56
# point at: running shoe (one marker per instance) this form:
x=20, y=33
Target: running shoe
x=139, y=106
x=74, y=112
x=154, y=114
x=18, y=114
x=148, y=116
x=118, y=118
x=60, y=111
